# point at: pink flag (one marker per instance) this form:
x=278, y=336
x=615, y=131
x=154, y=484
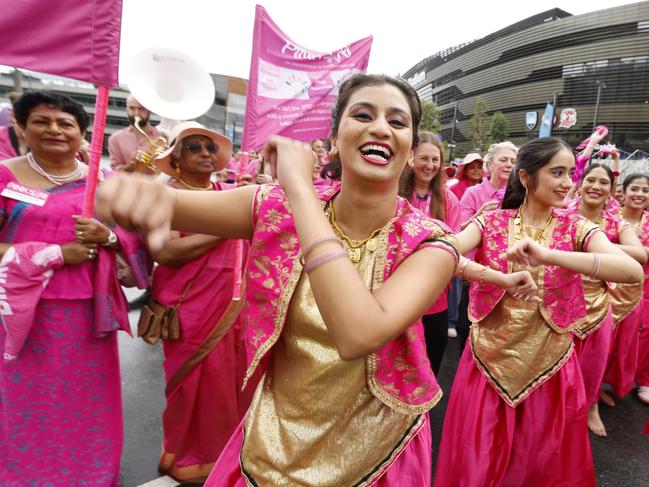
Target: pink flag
x=25, y=270
x=73, y=38
x=291, y=89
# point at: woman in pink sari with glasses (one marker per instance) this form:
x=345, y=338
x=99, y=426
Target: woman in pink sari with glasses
x=60, y=392
x=204, y=368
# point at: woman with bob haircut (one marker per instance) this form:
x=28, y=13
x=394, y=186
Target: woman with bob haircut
x=60, y=393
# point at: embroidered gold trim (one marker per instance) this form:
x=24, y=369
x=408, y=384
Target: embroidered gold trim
x=377, y=282
x=396, y=453
x=597, y=323
x=531, y=387
x=280, y=316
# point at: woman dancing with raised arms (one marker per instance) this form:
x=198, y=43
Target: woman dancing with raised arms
x=347, y=385
x=517, y=414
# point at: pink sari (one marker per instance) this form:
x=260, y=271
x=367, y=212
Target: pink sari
x=204, y=369
x=60, y=400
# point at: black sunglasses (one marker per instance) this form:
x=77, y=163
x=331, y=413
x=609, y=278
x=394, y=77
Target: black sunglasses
x=197, y=148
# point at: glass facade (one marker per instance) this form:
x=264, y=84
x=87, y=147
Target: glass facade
x=552, y=55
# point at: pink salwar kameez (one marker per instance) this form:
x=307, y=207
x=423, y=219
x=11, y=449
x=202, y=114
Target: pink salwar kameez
x=592, y=352
x=60, y=399
x=593, y=339
x=517, y=414
x=297, y=428
x=625, y=354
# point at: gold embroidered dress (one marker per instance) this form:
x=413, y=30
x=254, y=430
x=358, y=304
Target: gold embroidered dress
x=320, y=424
x=513, y=345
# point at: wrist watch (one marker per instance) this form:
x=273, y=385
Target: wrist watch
x=112, y=238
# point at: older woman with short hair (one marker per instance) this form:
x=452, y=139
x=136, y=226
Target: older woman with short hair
x=60, y=392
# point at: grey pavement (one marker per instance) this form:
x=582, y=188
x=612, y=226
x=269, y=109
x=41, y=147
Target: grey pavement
x=621, y=459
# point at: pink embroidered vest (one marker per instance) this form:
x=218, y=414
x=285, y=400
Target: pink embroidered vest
x=563, y=305
x=399, y=374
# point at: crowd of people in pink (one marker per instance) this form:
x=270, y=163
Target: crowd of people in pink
x=356, y=248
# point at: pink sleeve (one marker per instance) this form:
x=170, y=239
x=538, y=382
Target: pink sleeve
x=454, y=189
x=116, y=160
x=468, y=205
x=5, y=176
x=452, y=211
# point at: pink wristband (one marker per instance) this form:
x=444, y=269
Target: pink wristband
x=596, y=263
x=323, y=259
x=316, y=243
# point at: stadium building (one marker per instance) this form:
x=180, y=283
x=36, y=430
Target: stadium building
x=595, y=66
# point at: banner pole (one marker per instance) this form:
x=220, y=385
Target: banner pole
x=96, y=146
x=238, y=245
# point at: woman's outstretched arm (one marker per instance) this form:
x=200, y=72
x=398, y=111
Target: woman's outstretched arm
x=151, y=207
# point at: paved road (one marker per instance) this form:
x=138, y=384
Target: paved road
x=621, y=460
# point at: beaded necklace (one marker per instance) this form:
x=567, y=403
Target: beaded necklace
x=80, y=171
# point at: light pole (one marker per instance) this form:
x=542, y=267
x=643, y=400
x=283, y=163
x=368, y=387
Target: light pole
x=452, y=144
x=18, y=80
x=600, y=85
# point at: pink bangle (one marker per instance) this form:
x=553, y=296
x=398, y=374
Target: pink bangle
x=317, y=243
x=323, y=259
x=596, y=263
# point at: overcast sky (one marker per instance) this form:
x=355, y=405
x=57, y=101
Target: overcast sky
x=218, y=33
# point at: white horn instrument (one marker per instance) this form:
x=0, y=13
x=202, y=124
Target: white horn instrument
x=170, y=83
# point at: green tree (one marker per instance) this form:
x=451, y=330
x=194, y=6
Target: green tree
x=429, y=117
x=498, y=126
x=479, y=124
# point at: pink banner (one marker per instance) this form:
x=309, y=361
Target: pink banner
x=73, y=38
x=291, y=89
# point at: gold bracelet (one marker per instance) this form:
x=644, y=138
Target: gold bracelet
x=482, y=275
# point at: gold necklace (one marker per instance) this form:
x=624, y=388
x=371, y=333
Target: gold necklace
x=197, y=188
x=355, y=246
x=542, y=232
